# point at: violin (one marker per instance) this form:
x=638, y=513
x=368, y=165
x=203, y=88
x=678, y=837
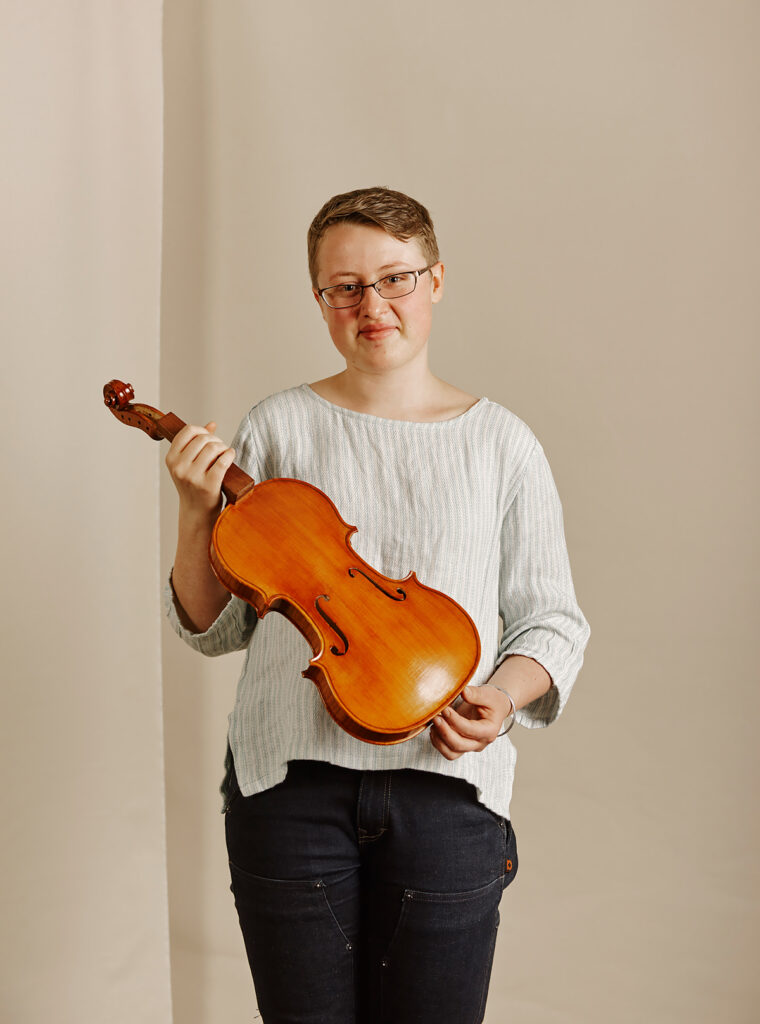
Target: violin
x=388, y=655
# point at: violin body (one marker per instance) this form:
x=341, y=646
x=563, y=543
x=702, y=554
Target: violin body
x=388, y=655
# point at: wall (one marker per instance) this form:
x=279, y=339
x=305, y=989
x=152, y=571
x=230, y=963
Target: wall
x=84, y=905
x=592, y=172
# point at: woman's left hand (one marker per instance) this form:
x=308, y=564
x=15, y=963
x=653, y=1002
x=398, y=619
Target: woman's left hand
x=473, y=724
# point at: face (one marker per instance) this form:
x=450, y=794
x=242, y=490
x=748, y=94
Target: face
x=378, y=334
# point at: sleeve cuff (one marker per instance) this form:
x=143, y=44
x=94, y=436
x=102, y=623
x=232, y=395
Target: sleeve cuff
x=563, y=670
x=230, y=631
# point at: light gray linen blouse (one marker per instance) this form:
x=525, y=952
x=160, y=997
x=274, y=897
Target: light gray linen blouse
x=470, y=505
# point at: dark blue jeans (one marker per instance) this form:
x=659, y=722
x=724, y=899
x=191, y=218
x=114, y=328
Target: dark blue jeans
x=368, y=897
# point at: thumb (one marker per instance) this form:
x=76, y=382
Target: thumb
x=476, y=695
x=210, y=426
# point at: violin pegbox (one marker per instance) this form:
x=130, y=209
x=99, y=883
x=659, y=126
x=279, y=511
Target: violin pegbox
x=117, y=396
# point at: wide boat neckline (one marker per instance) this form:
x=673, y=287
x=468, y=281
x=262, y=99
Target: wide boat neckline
x=386, y=419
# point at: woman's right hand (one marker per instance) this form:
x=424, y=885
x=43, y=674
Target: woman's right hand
x=197, y=461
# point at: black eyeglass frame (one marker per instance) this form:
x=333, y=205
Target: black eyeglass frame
x=362, y=287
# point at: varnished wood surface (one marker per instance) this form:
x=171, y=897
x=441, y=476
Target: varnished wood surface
x=391, y=664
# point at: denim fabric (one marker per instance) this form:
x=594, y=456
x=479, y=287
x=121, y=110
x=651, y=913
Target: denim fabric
x=368, y=896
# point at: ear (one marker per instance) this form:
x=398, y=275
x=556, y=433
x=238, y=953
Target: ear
x=320, y=303
x=436, y=274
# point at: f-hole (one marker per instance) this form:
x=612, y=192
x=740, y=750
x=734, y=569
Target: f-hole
x=333, y=625
x=402, y=593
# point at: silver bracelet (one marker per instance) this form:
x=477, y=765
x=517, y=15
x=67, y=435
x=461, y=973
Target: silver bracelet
x=511, y=716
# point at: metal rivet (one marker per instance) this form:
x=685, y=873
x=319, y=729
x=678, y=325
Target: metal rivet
x=383, y=963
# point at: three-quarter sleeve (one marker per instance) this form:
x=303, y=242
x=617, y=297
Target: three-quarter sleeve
x=537, y=603
x=230, y=631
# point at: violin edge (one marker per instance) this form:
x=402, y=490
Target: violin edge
x=357, y=730
x=318, y=674
x=262, y=602
x=362, y=730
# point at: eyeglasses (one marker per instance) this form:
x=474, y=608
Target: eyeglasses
x=341, y=296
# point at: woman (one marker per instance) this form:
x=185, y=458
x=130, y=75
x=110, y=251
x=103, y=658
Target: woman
x=367, y=878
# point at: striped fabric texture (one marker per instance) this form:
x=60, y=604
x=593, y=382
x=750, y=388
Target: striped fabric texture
x=470, y=505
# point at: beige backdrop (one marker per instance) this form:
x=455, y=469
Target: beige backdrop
x=591, y=168
x=83, y=906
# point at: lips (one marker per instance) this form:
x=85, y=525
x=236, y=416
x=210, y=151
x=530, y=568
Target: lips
x=377, y=332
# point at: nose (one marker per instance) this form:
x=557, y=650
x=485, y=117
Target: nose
x=372, y=304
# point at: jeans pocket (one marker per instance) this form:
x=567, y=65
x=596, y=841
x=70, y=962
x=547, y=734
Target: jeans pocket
x=458, y=932
x=283, y=905
x=299, y=953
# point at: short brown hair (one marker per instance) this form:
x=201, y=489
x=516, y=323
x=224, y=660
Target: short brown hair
x=398, y=214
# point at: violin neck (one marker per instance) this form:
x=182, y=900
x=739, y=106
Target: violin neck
x=169, y=426
x=117, y=396
x=236, y=483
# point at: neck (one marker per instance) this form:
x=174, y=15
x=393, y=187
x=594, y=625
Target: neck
x=396, y=394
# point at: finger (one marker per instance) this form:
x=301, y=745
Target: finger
x=217, y=469
x=189, y=435
x=453, y=739
x=196, y=457
x=450, y=744
x=486, y=701
x=469, y=728
x=481, y=696
x=441, y=746
x=186, y=434
x=192, y=437
x=207, y=451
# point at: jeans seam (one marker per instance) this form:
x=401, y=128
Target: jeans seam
x=487, y=978
x=362, y=834
x=387, y=802
x=319, y=884
x=360, y=830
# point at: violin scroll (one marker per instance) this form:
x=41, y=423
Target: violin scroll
x=117, y=396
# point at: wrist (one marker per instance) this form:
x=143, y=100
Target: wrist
x=511, y=710
x=197, y=522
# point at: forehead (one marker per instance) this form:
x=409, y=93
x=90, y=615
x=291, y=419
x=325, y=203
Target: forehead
x=364, y=250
